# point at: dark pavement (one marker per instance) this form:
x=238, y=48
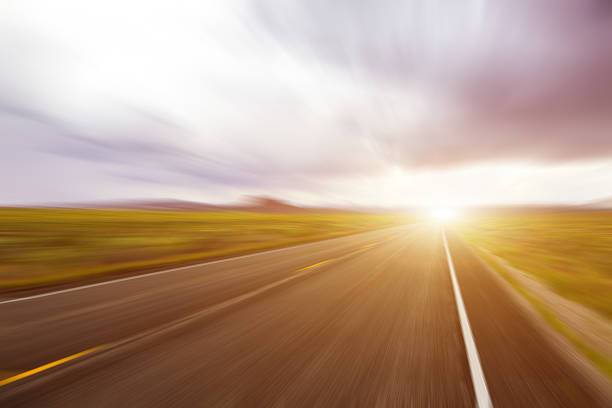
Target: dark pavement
x=365, y=320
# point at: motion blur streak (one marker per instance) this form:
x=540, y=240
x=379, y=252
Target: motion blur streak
x=377, y=326
x=478, y=379
x=379, y=102
x=48, y=366
x=306, y=203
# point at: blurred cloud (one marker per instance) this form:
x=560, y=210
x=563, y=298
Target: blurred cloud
x=308, y=100
x=519, y=79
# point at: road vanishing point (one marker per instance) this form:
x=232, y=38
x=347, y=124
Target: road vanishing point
x=401, y=317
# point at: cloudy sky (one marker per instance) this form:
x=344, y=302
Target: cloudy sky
x=372, y=102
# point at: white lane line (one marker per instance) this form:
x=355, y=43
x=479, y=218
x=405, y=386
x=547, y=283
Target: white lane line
x=483, y=399
x=146, y=275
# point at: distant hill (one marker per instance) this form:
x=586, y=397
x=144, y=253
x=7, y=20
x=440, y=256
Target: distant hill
x=536, y=209
x=257, y=204
x=517, y=209
x=170, y=205
x=268, y=205
x=605, y=204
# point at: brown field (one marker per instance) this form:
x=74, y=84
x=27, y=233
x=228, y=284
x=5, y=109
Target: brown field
x=42, y=246
x=571, y=253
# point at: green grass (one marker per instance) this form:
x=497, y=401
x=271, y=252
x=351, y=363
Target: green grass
x=570, y=252
x=601, y=361
x=42, y=246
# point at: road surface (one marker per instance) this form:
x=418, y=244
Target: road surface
x=365, y=320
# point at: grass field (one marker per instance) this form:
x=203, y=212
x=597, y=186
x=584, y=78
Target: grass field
x=570, y=252
x=42, y=246
x=601, y=360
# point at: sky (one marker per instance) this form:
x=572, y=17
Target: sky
x=346, y=102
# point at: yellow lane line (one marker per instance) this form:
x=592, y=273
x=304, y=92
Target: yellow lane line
x=369, y=245
x=47, y=366
x=313, y=265
x=331, y=259
x=91, y=350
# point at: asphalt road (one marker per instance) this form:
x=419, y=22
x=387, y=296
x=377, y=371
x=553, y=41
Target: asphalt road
x=365, y=320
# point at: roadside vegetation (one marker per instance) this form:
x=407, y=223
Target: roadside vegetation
x=44, y=246
x=569, y=252
x=601, y=361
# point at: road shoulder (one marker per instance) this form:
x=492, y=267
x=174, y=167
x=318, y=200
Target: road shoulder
x=564, y=322
x=527, y=361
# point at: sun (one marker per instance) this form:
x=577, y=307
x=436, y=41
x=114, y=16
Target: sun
x=443, y=214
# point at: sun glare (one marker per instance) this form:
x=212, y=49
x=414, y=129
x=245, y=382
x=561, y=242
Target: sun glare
x=443, y=214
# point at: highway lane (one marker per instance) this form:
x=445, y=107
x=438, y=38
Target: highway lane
x=523, y=364
x=68, y=323
x=375, y=324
